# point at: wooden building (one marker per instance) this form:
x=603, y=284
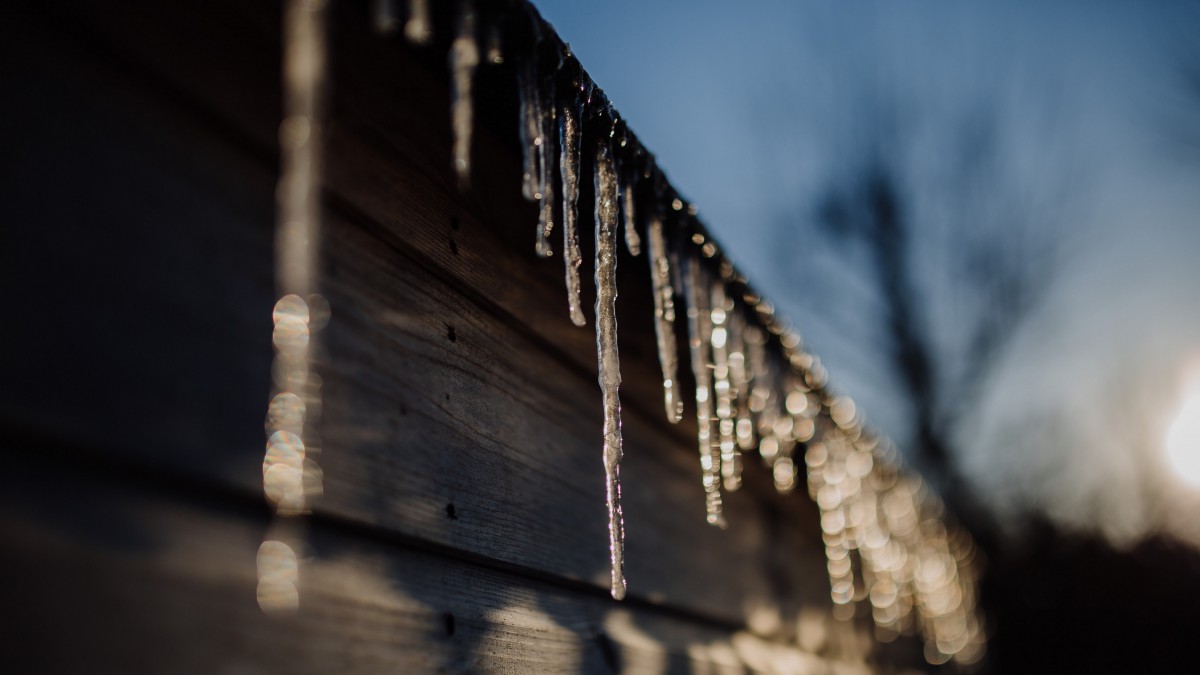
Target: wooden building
x=461, y=525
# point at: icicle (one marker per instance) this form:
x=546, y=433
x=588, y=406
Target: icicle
x=568, y=137
x=549, y=153
x=664, y=318
x=914, y=569
x=300, y=143
x=803, y=406
x=731, y=461
x=699, y=335
x=530, y=110
x=384, y=15
x=828, y=483
x=778, y=426
x=606, y=350
x=290, y=475
x=759, y=388
x=418, y=29
x=464, y=58
x=629, y=177
x=739, y=375
x=764, y=390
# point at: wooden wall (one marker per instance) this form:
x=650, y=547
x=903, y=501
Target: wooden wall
x=462, y=526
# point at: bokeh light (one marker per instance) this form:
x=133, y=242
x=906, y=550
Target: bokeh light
x=1183, y=437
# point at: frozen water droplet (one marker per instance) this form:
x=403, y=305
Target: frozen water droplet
x=464, y=58
x=568, y=136
x=664, y=317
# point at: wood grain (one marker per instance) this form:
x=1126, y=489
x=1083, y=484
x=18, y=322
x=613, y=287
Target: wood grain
x=162, y=579
x=460, y=405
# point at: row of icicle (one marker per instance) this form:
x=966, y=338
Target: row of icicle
x=757, y=389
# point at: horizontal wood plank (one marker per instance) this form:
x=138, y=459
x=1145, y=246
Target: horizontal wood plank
x=163, y=357
x=162, y=579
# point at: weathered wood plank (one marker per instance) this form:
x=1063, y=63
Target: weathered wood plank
x=175, y=368
x=388, y=157
x=417, y=422
x=162, y=579
x=388, y=149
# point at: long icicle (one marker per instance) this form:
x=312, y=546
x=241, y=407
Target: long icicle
x=290, y=475
x=568, y=138
x=530, y=110
x=759, y=392
x=783, y=469
x=607, y=355
x=549, y=155
x=698, y=341
x=742, y=392
x=731, y=460
x=868, y=504
x=629, y=175
x=664, y=317
x=739, y=375
x=464, y=58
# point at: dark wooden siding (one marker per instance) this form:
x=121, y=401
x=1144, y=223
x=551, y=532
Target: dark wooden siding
x=462, y=526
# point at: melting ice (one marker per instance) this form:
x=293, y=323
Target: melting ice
x=606, y=349
x=464, y=58
x=568, y=138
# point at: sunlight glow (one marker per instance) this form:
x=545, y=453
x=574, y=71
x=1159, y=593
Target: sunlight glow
x=1183, y=438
